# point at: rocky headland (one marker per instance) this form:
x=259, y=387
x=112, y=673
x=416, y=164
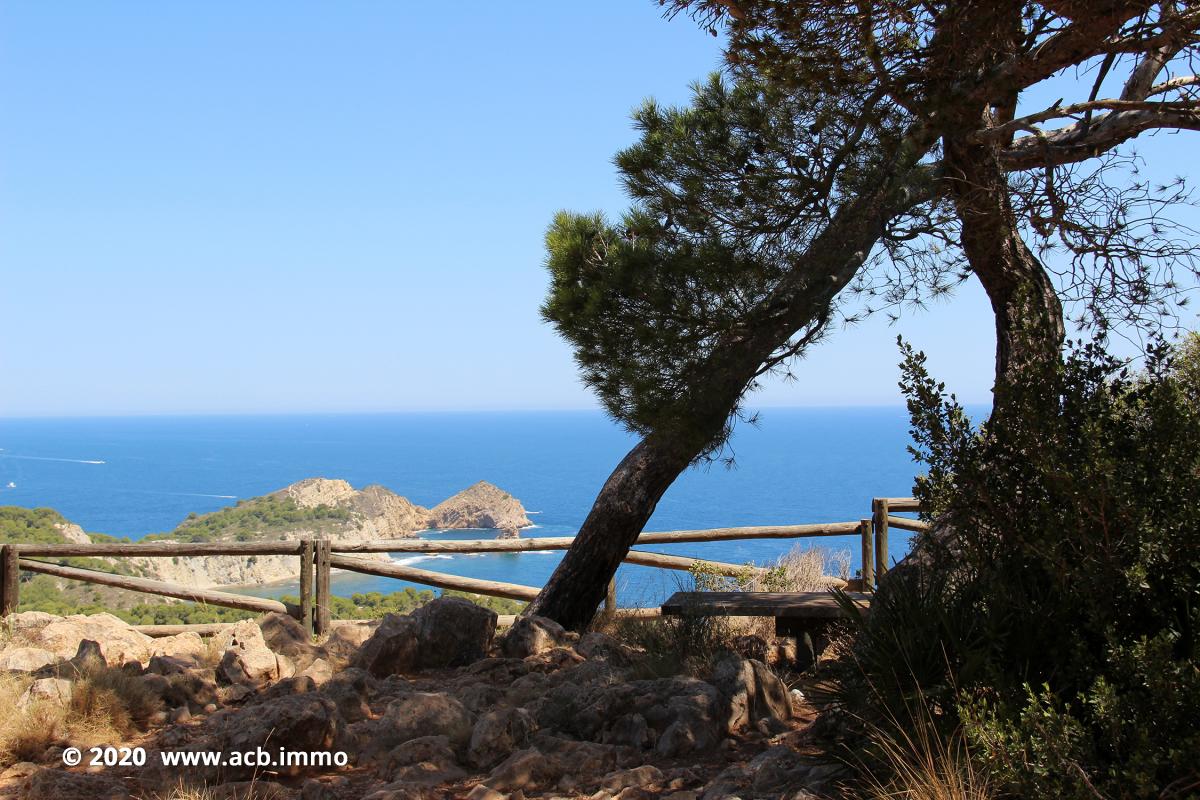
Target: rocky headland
x=321, y=507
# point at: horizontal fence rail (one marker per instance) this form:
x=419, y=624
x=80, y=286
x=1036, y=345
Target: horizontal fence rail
x=263, y=605
x=318, y=557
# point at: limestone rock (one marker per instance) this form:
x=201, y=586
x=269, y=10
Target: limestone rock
x=51, y=690
x=530, y=636
x=185, y=647
x=349, y=690
x=425, y=714
x=72, y=533
x=392, y=649
x=293, y=722
x=453, y=632
x=525, y=769
x=314, y=492
x=425, y=761
x=749, y=692
x=498, y=733
x=247, y=659
x=25, y=659
x=677, y=715
x=346, y=638
x=777, y=768
x=57, y=784
x=645, y=775
x=601, y=645
x=285, y=636
x=119, y=643
x=371, y=514
x=24, y=621
x=319, y=671
x=168, y=665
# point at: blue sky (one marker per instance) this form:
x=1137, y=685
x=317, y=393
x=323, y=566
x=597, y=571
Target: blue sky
x=304, y=206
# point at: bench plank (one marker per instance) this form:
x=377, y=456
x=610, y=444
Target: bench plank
x=812, y=605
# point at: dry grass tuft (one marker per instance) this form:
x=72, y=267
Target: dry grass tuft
x=918, y=761
x=186, y=791
x=106, y=705
x=25, y=733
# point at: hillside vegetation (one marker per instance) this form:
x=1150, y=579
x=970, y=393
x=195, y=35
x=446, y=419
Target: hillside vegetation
x=265, y=517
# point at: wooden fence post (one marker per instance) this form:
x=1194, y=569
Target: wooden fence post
x=10, y=580
x=306, y=581
x=321, y=624
x=868, y=555
x=880, y=507
x=610, y=596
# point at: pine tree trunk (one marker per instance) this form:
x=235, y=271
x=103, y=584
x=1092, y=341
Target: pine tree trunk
x=1028, y=312
x=624, y=504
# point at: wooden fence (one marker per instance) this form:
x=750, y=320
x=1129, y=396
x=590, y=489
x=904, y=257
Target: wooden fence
x=317, y=557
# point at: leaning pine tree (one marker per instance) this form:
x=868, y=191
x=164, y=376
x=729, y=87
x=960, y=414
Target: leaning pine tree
x=713, y=280
x=855, y=135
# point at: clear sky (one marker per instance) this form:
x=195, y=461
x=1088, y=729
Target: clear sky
x=304, y=206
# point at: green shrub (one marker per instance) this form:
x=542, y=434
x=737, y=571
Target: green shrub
x=1054, y=610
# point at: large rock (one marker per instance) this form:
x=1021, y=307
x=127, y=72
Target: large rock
x=392, y=649
x=643, y=776
x=674, y=716
x=50, y=690
x=287, y=637
x=498, y=733
x=424, y=761
x=297, y=722
x=26, y=659
x=749, y=692
x=349, y=689
x=247, y=659
x=554, y=761
x=61, y=636
x=526, y=769
x=602, y=646
x=184, y=647
x=453, y=632
x=57, y=784
x=530, y=636
x=319, y=671
x=346, y=638
x=414, y=715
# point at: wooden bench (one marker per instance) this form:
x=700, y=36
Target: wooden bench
x=807, y=616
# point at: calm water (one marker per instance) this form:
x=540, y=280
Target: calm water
x=133, y=476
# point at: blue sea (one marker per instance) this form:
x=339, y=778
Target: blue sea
x=134, y=476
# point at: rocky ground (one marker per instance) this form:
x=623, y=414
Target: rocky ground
x=434, y=704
